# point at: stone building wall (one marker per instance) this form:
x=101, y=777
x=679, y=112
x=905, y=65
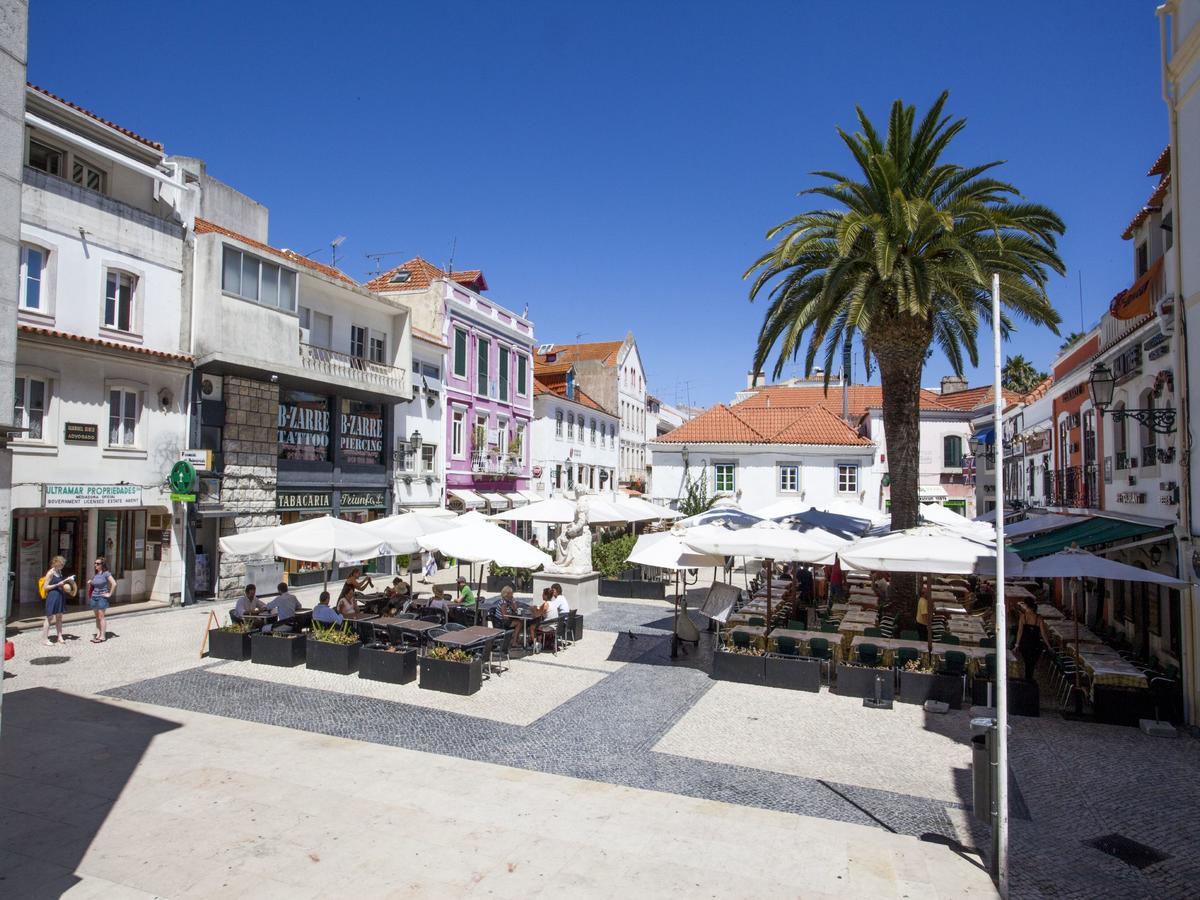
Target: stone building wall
x=250, y=446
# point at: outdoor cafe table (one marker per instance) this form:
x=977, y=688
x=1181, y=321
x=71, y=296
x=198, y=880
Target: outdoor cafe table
x=1049, y=611
x=416, y=626
x=1017, y=592
x=758, y=637
x=975, y=655
x=467, y=637
x=1064, y=629
x=1106, y=668
x=360, y=616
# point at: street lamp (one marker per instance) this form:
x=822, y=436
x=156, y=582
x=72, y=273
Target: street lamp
x=415, y=440
x=980, y=448
x=1101, y=383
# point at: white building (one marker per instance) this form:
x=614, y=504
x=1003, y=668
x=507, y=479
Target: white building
x=574, y=438
x=103, y=360
x=761, y=455
x=421, y=427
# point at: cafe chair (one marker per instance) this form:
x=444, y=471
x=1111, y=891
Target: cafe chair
x=573, y=626
x=872, y=632
x=366, y=632
x=818, y=649
x=786, y=646
x=951, y=639
x=868, y=655
x=741, y=640
x=454, y=626
x=397, y=637
x=500, y=652
x=954, y=662
x=757, y=620
x=910, y=634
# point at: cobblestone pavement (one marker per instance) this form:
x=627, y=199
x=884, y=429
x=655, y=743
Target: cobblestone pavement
x=615, y=709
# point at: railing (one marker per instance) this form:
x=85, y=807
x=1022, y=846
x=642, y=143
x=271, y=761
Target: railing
x=494, y=464
x=354, y=368
x=1074, y=487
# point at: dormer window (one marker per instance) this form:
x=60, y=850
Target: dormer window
x=401, y=277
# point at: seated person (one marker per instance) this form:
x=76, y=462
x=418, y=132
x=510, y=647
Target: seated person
x=324, y=613
x=247, y=604
x=539, y=612
x=285, y=603
x=558, y=605
x=501, y=608
x=396, y=595
x=465, y=596
x=355, y=581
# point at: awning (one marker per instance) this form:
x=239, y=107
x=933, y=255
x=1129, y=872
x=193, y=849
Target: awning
x=1037, y=524
x=515, y=500
x=496, y=501
x=469, y=499
x=1085, y=533
x=985, y=436
x=532, y=496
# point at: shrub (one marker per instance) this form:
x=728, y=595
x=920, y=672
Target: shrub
x=610, y=556
x=237, y=628
x=450, y=654
x=333, y=634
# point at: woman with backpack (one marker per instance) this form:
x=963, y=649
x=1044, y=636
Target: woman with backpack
x=56, y=602
x=100, y=591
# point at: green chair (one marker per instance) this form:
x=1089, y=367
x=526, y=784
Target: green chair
x=950, y=639
x=818, y=648
x=786, y=646
x=872, y=632
x=954, y=663
x=757, y=620
x=868, y=654
x=741, y=640
x=797, y=625
x=829, y=628
x=906, y=655
x=989, y=667
x=909, y=634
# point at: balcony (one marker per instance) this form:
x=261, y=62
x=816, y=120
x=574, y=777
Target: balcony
x=1076, y=487
x=495, y=465
x=335, y=364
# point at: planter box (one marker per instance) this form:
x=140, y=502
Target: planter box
x=340, y=659
x=1023, y=696
x=857, y=681
x=579, y=628
x=451, y=677
x=800, y=674
x=495, y=583
x=268, y=650
x=917, y=687
x=636, y=590
x=228, y=645
x=394, y=667
x=739, y=667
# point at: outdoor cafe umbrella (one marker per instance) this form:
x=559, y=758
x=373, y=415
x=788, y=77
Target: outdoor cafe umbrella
x=1076, y=563
x=669, y=550
x=404, y=531
x=646, y=509
x=722, y=515
x=936, y=514
x=324, y=539
x=560, y=510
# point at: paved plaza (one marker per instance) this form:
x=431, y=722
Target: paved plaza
x=139, y=768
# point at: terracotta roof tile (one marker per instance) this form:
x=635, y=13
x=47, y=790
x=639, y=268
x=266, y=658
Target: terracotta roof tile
x=1153, y=204
x=862, y=398
x=203, y=226
x=426, y=336
x=1040, y=391
x=721, y=424
x=100, y=342
x=421, y=274
x=973, y=398
x=605, y=351
x=91, y=115
x=1162, y=165
x=558, y=388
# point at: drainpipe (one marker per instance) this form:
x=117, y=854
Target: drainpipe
x=1184, y=530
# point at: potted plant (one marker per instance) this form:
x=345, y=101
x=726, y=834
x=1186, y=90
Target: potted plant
x=229, y=641
x=796, y=673
x=383, y=662
x=918, y=683
x=745, y=666
x=332, y=648
x=860, y=681
x=277, y=648
x=452, y=671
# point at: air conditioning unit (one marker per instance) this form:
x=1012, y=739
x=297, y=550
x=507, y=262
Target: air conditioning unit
x=305, y=335
x=210, y=387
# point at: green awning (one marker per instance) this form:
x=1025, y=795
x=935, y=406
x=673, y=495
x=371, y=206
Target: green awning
x=1085, y=533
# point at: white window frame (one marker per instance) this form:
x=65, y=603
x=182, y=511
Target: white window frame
x=521, y=443
x=135, y=291
x=781, y=470
x=377, y=341
x=360, y=340
x=284, y=276
x=558, y=424
x=126, y=390
x=428, y=465
x=717, y=468
x=848, y=469
x=24, y=380
x=62, y=157
x=458, y=432
x=44, y=307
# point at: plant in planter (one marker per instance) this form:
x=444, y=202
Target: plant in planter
x=450, y=670
x=745, y=665
x=333, y=648
x=277, y=648
x=382, y=662
x=919, y=682
x=796, y=673
x=230, y=641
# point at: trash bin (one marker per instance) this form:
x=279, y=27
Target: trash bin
x=981, y=777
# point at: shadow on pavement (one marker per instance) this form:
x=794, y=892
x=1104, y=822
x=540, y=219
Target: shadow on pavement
x=64, y=761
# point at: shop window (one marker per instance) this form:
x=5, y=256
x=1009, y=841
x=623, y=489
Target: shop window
x=303, y=426
x=120, y=294
x=124, y=408
x=30, y=400
x=360, y=433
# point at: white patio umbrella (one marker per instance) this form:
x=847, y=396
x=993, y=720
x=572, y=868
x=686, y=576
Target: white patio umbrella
x=846, y=524
x=486, y=542
x=721, y=515
x=561, y=510
x=782, y=509
x=403, y=532
x=669, y=550
x=647, y=509
x=936, y=514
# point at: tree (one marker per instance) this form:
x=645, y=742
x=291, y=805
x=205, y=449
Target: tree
x=1019, y=375
x=901, y=260
x=696, y=498
x=1073, y=338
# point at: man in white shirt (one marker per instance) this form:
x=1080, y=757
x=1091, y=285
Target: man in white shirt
x=285, y=603
x=248, y=604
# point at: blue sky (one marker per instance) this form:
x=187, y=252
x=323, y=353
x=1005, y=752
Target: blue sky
x=615, y=166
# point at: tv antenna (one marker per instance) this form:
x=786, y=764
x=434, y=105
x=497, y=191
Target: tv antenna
x=453, y=247
x=333, y=245
x=378, y=260
x=580, y=335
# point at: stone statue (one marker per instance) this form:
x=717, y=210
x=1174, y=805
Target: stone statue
x=573, y=548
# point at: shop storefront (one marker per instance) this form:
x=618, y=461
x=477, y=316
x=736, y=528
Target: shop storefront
x=361, y=506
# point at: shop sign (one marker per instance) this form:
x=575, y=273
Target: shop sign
x=1037, y=443
x=360, y=437
x=304, y=501
x=1131, y=497
x=80, y=433
x=92, y=496
x=362, y=500
x=303, y=426
x=201, y=460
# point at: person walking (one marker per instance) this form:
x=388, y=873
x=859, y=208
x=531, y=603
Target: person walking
x=1029, y=636
x=100, y=591
x=428, y=563
x=56, y=601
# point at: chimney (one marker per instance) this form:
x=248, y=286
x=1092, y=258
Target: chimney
x=755, y=379
x=952, y=384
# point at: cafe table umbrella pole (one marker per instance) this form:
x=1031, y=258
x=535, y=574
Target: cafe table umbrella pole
x=675, y=620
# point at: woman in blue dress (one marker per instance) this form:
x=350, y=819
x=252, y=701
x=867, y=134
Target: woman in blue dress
x=56, y=601
x=102, y=587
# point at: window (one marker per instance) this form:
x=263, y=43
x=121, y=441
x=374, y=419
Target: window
x=612, y=435
x=789, y=478
x=723, y=478
x=257, y=280
x=119, y=291
x=45, y=158
x=520, y=454
x=847, y=478
x=522, y=375
x=1143, y=259
x=29, y=407
x=428, y=456
x=460, y=353
x=358, y=341
x=87, y=175
x=571, y=384
x=319, y=328
x=952, y=451
x=1149, y=440
x=458, y=432
x=378, y=347
x=502, y=435
x=1168, y=228
x=503, y=373
x=558, y=423
x=571, y=426
x=122, y=418
x=33, y=277
x=481, y=371
x=593, y=424
x=429, y=370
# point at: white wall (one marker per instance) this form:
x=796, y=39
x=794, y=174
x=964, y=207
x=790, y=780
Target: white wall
x=550, y=450
x=631, y=394
x=424, y=413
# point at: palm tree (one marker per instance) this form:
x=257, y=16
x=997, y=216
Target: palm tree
x=903, y=259
x=1020, y=376
x=1073, y=338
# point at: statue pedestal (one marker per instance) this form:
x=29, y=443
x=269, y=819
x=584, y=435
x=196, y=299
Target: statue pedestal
x=582, y=592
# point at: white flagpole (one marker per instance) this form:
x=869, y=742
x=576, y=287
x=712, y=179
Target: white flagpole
x=1001, y=772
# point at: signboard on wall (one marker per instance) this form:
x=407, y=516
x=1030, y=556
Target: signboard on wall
x=304, y=501
x=362, y=500
x=92, y=496
x=201, y=460
x=303, y=426
x=360, y=433
x=80, y=433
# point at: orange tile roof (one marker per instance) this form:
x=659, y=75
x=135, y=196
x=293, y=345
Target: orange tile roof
x=973, y=398
x=1040, y=391
x=91, y=115
x=203, y=226
x=558, y=388
x=100, y=342
x=1162, y=165
x=421, y=275
x=426, y=336
x=543, y=369
x=739, y=424
x=862, y=398
x=1153, y=205
x=604, y=351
